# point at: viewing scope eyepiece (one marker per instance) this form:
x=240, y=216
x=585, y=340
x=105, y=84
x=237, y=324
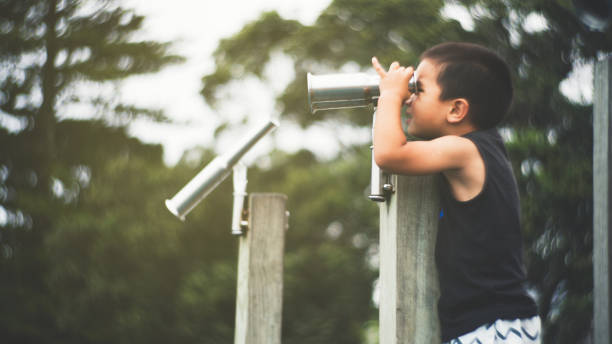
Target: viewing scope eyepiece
x=346, y=90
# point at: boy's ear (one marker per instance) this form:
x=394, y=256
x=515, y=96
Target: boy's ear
x=458, y=111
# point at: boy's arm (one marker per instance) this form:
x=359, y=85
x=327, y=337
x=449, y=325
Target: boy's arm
x=443, y=154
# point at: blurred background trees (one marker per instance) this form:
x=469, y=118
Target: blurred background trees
x=89, y=254
x=57, y=207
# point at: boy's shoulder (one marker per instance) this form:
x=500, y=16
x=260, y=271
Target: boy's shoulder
x=419, y=157
x=486, y=138
x=467, y=177
x=492, y=133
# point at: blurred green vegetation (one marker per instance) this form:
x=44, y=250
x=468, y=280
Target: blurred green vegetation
x=89, y=254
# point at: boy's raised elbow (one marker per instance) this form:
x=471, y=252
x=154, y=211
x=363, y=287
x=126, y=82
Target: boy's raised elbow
x=395, y=162
x=384, y=160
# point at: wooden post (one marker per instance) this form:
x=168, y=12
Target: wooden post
x=260, y=272
x=602, y=158
x=409, y=288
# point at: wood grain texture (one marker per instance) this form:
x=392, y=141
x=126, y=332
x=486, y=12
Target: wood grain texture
x=409, y=288
x=602, y=111
x=260, y=272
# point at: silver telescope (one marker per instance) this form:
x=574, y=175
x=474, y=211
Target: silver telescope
x=342, y=91
x=214, y=173
x=346, y=90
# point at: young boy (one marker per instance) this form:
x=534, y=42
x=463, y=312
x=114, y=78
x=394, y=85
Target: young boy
x=462, y=92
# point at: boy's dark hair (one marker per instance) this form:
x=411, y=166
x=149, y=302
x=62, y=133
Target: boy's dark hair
x=477, y=74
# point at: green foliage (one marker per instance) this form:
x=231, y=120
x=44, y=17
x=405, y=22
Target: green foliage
x=60, y=275
x=556, y=183
x=139, y=271
x=115, y=265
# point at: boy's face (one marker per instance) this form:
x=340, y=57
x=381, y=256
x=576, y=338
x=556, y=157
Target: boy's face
x=426, y=113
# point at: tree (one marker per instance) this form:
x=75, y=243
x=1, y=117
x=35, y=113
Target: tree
x=546, y=132
x=122, y=268
x=47, y=48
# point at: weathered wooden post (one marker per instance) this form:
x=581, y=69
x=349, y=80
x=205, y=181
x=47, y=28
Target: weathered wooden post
x=408, y=225
x=408, y=277
x=260, y=271
x=602, y=159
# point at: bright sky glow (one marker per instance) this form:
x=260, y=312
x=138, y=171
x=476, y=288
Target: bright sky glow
x=3, y=217
x=459, y=13
x=535, y=22
x=196, y=27
x=578, y=86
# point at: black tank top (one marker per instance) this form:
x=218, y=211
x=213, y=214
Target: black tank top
x=479, y=248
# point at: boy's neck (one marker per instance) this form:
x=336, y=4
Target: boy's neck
x=460, y=130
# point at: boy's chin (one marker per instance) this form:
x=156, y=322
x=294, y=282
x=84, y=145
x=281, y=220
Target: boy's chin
x=415, y=134
x=412, y=132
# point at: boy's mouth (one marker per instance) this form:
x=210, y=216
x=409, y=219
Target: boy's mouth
x=407, y=112
x=408, y=118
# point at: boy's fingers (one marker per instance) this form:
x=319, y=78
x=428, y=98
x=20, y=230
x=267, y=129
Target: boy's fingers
x=377, y=67
x=408, y=69
x=394, y=66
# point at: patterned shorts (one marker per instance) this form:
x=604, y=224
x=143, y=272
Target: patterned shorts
x=519, y=331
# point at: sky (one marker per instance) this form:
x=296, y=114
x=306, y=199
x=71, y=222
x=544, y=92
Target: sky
x=196, y=26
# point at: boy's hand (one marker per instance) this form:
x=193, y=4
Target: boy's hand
x=395, y=81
